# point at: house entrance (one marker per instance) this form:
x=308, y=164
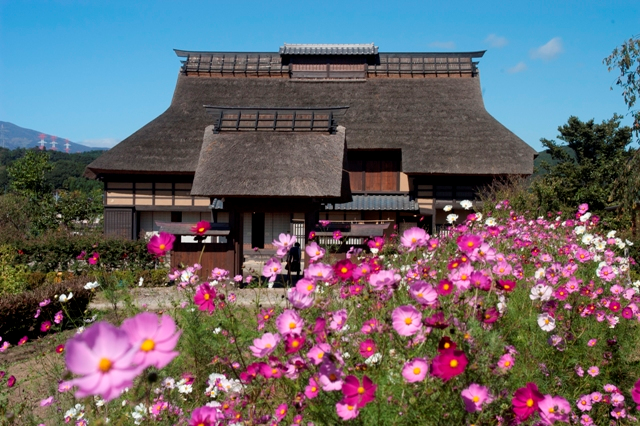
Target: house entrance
x=257, y=229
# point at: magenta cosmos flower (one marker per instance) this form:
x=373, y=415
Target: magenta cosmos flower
x=469, y=242
x=289, y=322
x=554, y=409
x=413, y=238
x=205, y=297
x=356, y=393
x=159, y=245
x=201, y=227
x=475, y=396
x=155, y=338
x=367, y=348
x=525, y=401
x=448, y=364
x=93, y=260
x=45, y=326
x=407, y=321
x=206, y=416
x=415, y=370
x=635, y=394
x=103, y=356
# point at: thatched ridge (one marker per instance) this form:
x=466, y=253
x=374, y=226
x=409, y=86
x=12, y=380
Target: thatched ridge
x=270, y=164
x=440, y=124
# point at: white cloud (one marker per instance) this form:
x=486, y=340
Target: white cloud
x=496, y=41
x=519, y=67
x=549, y=50
x=100, y=143
x=443, y=44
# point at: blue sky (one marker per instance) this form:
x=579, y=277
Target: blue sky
x=96, y=71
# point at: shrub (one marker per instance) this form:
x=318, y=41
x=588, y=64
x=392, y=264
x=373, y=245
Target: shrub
x=13, y=277
x=17, y=311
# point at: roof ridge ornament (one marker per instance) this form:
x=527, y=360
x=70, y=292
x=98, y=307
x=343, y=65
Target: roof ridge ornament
x=329, y=49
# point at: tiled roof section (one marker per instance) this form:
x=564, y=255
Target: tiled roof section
x=329, y=49
x=377, y=202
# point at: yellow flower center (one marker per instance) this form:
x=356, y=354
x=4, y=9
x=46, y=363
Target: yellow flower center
x=507, y=363
x=201, y=229
x=470, y=244
x=453, y=363
x=268, y=345
x=445, y=287
x=475, y=398
x=310, y=287
x=507, y=286
x=314, y=389
x=369, y=348
x=447, y=345
x=104, y=365
x=320, y=355
x=317, y=253
x=275, y=269
x=350, y=407
x=546, y=320
x=364, y=270
x=207, y=296
x=266, y=317
x=551, y=410
x=162, y=246
x=319, y=274
x=408, y=321
x=463, y=277
x=147, y=345
x=295, y=343
x=333, y=377
x=419, y=294
x=292, y=325
x=360, y=390
x=413, y=240
x=529, y=402
x=416, y=370
x=344, y=270
x=274, y=371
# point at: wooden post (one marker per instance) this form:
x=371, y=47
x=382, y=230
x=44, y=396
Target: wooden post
x=433, y=218
x=235, y=241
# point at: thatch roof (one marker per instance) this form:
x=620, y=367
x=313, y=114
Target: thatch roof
x=270, y=164
x=440, y=124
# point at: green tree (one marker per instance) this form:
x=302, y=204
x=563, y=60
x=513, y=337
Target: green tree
x=27, y=175
x=588, y=164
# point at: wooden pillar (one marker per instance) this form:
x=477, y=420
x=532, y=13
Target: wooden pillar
x=234, y=241
x=310, y=221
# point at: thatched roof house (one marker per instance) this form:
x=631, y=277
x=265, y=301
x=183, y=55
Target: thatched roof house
x=409, y=128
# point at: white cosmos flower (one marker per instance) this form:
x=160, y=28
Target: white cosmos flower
x=546, y=322
x=611, y=234
x=373, y=359
x=466, y=204
x=452, y=218
x=539, y=274
x=600, y=245
x=447, y=208
x=502, y=304
x=579, y=230
x=490, y=222
x=629, y=243
x=91, y=285
x=542, y=292
x=587, y=238
x=478, y=217
x=64, y=298
x=585, y=217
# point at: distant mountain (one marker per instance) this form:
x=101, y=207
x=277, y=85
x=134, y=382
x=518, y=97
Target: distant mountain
x=544, y=156
x=12, y=137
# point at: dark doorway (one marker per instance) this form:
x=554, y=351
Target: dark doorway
x=257, y=230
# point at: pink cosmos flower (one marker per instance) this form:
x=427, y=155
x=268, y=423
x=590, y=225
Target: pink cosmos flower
x=525, y=401
x=376, y=242
x=413, y=238
x=160, y=244
x=57, y=318
x=155, y=338
x=314, y=251
x=205, y=297
x=289, y=322
x=356, y=393
x=93, y=260
x=346, y=411
x=338, y=319
x=219, y=274
x=45, y=326
x=593, y=371
x=415, y=370
x=311, y=391
x=330, y=376
x=337, y=234
x=23, y=341
x=475, y=396
x=46, y=402
x=383, y=279
x=206, y=416
x=300, y=300
x=11, y=381
x=201, y=227
x=506, y=362
x=319, y=272
x=583, y=208
x=4, y=346
x=37, y=313
x=281, y=412
x=82, y=255
x=370, y=326
x=283, y=244
x=44, y=303
x=271, y=269
x=344, y=269
x=103, y=356
x=305, y=286
x=554, y=409
x=423, y=293
x=448, y=364
x=407, y=320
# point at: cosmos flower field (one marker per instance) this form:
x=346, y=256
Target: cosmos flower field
x=506, y=319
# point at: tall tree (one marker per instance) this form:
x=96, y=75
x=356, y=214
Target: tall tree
x=588, y=163
x=27, y=175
